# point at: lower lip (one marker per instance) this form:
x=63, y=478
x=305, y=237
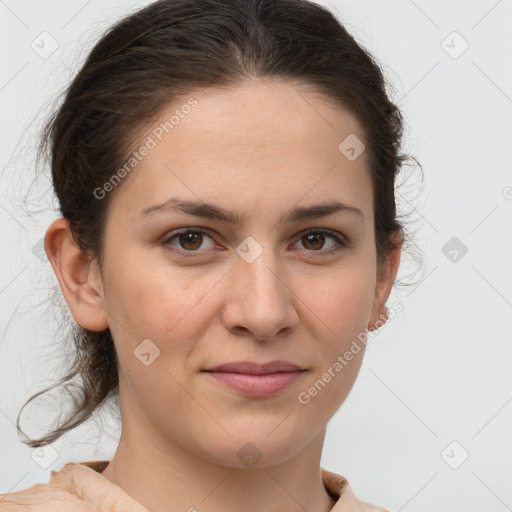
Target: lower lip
x=257, y=385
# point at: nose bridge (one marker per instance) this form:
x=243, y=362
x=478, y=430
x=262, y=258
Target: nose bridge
x=262, y=300
x=259, y=269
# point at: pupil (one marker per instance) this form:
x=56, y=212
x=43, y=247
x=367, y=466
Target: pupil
x=191, y=238
x=313, y=237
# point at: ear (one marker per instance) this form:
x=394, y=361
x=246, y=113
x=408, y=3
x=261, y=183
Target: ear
x=385, y=278
x=78, y=275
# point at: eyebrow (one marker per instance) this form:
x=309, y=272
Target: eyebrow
x=212, y=211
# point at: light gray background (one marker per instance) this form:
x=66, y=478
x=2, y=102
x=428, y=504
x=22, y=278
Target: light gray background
x=440, y=371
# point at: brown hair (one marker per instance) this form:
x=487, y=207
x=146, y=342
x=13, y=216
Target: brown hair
x=171, y=48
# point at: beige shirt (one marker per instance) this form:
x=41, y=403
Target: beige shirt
x=81, y=487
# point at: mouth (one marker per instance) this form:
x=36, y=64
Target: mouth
x=256, y=380
x=253, y=368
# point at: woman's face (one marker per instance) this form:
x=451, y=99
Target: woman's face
x=262, y=154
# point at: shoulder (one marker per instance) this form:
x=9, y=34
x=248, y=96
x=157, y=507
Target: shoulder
x=38, y=498
x=368, y=507
x=76, y=487
x=339, y=488
x=60, y=494
x=363, y=506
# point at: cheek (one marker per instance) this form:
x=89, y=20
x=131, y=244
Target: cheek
x=170, y=309
x=142, y=295
x=343, y=308
x=344, y=299
x=342, y=311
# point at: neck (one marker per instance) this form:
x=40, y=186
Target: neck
x=157, y=472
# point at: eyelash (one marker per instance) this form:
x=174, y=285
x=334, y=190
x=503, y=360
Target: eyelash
x=341, y=241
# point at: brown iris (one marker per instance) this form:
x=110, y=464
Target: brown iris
x=312, y=238
x=195, y=239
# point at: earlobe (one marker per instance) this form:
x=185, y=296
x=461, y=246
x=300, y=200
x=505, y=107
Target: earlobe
x=77, y=275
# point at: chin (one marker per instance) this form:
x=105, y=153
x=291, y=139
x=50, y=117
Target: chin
x=256, y=448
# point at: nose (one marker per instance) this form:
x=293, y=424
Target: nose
x=260, y=302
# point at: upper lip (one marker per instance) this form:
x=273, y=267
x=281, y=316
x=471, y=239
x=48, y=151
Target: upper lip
x=252, y=368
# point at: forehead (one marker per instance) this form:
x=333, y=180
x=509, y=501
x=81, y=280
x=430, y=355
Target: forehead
x=250, y=145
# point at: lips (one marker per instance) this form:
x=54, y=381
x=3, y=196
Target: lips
x=256, y=380
x=251, y=368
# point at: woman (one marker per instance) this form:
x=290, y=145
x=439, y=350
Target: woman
x=225, y=172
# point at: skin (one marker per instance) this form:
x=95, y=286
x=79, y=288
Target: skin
x=260, y=149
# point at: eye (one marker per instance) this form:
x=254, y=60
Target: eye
x=315, y=239
x=187, y=240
